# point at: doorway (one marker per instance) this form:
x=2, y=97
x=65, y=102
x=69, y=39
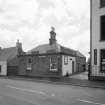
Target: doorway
x=73, y=67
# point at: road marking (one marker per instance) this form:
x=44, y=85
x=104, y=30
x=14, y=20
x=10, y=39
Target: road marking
x=32, y=91
x=90, y=102
x=52, y=95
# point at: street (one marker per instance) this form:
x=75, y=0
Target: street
x=20, y=92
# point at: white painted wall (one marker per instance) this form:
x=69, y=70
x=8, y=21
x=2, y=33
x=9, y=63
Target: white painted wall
x=96, y=44
x=68, y=67
x=3, y=68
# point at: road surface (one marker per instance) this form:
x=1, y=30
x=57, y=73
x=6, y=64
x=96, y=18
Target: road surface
x=20, y=92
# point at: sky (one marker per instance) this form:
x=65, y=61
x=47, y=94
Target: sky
x=30, y=21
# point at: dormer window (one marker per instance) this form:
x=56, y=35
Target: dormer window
x=102, y=3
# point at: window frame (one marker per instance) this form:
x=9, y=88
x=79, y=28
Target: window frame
x=53, y=61
x=102, y=3
x=101, y=29
x=65, y=60
x=29, y=64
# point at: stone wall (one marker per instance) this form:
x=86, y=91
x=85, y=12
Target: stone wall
x=40, y=65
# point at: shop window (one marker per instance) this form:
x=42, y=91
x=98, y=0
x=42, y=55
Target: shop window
x=29, y=64
x=95, y=56
x=102, y=3
x=102, y=26
x=53, y=64
x=65, y=60
x=102, y=61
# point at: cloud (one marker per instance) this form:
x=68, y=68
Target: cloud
x=30, y=21
x=18, y=13
x=78, y=7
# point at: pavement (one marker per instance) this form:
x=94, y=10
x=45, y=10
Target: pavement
x=80, y=76
x=76, y=80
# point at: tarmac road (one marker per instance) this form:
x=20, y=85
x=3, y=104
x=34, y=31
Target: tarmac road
x=20, y=92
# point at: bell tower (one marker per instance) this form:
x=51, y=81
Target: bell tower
x=52, y=39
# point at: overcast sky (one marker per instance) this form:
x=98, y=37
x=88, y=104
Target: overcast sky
x=30, y=22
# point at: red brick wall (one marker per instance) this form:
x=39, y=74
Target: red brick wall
x=40, y=65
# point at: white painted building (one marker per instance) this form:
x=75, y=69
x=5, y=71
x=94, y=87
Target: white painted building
x=97, y=42
x=70, y=67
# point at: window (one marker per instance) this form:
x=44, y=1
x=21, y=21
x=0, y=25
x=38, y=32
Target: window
x=29, y=64
x=95, y=56
x=102, y=26
x=29, y=60
x=53, y=64
x=102, y=62
x=65, y=60
x=102, y=3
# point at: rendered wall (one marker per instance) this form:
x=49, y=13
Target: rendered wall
x=3, y=68
x=96, y=12
x=68, y=67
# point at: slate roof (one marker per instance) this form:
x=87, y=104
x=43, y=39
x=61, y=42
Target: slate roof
x=68, y=51
x=8, y=53
x=79, y=54
x=46, y=48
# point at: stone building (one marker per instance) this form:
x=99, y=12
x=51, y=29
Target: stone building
x=51, y=60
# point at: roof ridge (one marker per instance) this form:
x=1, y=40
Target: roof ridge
x=7, y=48
x=7, y=53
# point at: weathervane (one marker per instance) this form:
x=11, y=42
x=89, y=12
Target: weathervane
x=52, y=29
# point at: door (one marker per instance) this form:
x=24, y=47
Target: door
x=73, y=67
x=12, y=70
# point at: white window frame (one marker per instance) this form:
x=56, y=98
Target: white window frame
x=51, y=64
x=29, y=65
x=65, y=60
